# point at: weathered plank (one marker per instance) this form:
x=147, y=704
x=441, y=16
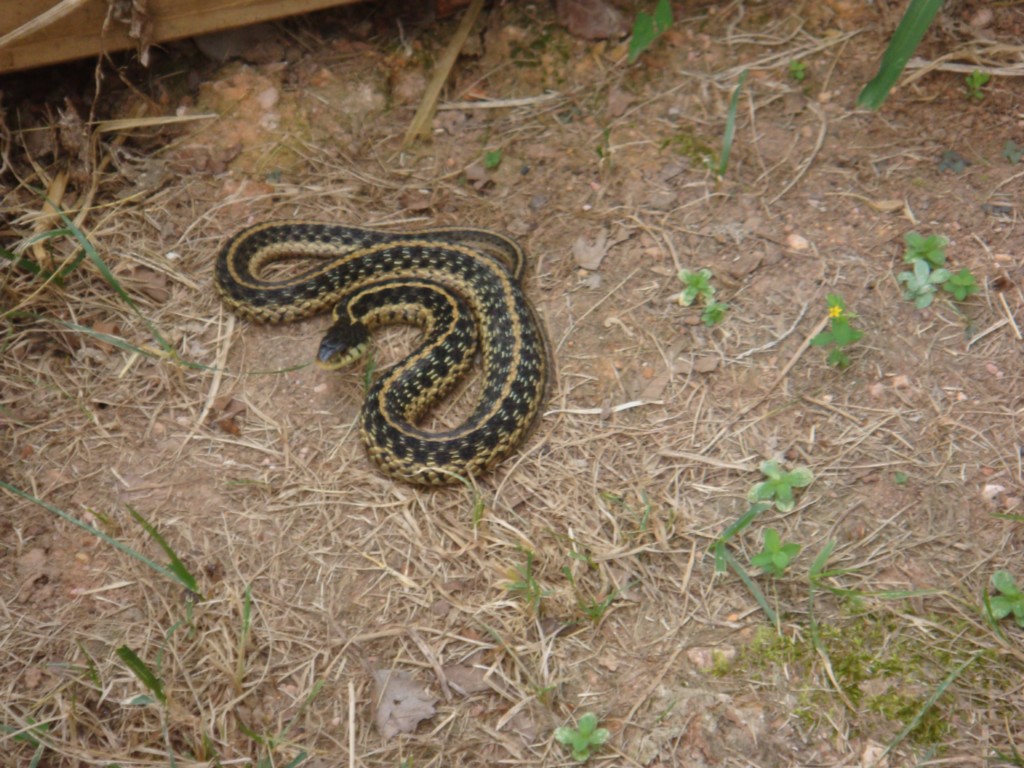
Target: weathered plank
x=38, y=32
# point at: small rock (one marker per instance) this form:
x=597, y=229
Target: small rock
x=797, y=242
x=982, y=18
x=705, y=364
x=991, y=490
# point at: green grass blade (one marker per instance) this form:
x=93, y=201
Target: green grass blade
x=243, y=638
x=721, y=563
x=819, y=562
x=647, y=29
x=114, y=341
x=912, y=27
x=643, y=36
x=936, y=694
x=94, y=256
x=20, y=262
x=95, y=532
x=92, y=671
x=142, y=671
x=744, y=520
x=176, y=566
x=730, y=124
x=37, y=757
x=662, y=16
x=126, y=346
x=752, y=586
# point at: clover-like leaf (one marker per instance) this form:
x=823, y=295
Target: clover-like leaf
x=779, y=485
x=931, y=249
x=1004, y=582
x=584, y=737
x=961, y=284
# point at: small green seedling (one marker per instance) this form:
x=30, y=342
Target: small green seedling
x=798, y=70
x=928, y=257
x=595, y=610
x=714, y=313
x=698, y=285
x=778, y=488
x=840, y=333
x=647, y=28
x=975, y=82
x=492, y=159
x=931, y=249
x=583, y=738
x=526, y=584
x=1010, y=599
x=730, y=126
x=920, y=285
x=1012, y=152
x=146, y=676
x=961, y=285
x=775, y=556
x=900, y=478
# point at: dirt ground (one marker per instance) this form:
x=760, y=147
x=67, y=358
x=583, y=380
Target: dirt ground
x=352, y=620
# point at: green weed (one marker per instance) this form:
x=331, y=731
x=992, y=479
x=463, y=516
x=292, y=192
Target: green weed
x=779, y=485
x=1009, y=601
x=840, y=333
x=714, y=313
x=775, y=556
x=691, y=146
x=647, y=28
x=595, y=610
x=975, y=83
x=583, y=738
x=927, y=255
x=1012, y=152
x=698, y=285
x=931, y=249
x=797, y=70
x=921, y=284
x=492, y=159
x=525, y=583
x=961, y=284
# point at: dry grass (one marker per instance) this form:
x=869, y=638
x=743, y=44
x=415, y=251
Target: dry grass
x=640, y=464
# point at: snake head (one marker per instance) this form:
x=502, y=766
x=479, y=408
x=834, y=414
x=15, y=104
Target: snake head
x=343, y=344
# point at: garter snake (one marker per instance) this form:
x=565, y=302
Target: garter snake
x=461, y=285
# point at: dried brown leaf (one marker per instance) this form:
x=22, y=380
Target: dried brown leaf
x=401, y=702
x=589, y=254
x=466, y=678
x=591, y=19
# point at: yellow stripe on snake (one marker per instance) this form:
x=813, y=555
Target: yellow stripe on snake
x=462, y=286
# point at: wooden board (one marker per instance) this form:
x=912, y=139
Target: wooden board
x=38, y=32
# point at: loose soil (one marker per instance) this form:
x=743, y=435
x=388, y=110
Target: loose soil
x=347, y=619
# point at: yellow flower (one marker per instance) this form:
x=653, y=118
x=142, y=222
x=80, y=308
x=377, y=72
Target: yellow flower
x=835, y=312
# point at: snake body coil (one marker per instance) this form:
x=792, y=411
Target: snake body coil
x=460, y=285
